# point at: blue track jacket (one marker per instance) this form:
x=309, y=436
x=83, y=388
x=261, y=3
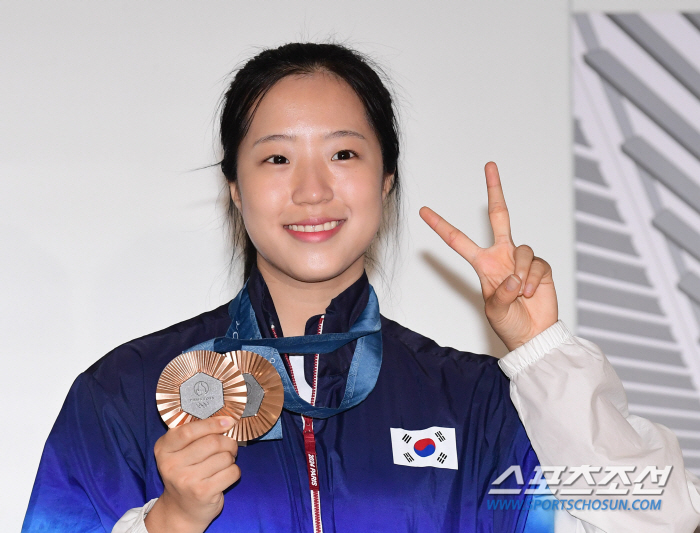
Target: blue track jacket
x=98, y=461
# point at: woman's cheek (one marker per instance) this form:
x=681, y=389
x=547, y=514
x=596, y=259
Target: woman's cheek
x=373, y=209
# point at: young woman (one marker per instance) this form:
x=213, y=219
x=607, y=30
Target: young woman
x=310, y=149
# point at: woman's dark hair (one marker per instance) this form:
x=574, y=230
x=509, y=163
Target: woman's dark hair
x=252, y=82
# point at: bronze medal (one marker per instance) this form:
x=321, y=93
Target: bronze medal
x=200, y=384
x=265, y=394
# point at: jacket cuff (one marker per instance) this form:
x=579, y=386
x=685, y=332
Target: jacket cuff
x=133, y=520
x=534, y=349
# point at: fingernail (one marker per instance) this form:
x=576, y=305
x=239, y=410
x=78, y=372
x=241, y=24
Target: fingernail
x=512, y=283
x=226, y=422
x=529, y=289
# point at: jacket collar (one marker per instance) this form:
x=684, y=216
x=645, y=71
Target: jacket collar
x=342, y=312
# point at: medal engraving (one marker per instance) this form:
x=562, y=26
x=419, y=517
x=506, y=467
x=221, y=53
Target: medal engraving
x=202, y=395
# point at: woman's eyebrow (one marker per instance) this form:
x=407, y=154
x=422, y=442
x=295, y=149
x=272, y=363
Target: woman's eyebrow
x=345, y=133
x=332, y=135
x=275, y=137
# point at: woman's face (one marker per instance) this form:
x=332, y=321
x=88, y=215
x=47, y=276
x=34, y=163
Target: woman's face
x=310, y=180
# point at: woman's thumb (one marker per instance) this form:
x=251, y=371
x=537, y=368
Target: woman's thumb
x=496, y=307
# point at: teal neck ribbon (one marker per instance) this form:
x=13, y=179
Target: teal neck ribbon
x=244, y=334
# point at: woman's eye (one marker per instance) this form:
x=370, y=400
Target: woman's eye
x=277, y=160
x=343, y=154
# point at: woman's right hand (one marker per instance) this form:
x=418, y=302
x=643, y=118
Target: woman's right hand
x=196, y=462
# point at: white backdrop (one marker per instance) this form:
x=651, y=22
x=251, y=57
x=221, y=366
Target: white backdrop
x=108, y=232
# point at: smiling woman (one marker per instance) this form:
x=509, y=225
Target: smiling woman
x=382, y=429
x=320, y=182
x=347, y=107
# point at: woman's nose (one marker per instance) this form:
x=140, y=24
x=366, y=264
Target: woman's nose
x=312, y=183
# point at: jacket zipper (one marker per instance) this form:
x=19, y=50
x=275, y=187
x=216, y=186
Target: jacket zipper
x=310, y=438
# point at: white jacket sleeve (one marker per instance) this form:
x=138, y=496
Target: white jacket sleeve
x=133, y=519
x=574, y=410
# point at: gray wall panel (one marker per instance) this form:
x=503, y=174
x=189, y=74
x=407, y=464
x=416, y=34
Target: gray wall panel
x=617, y=297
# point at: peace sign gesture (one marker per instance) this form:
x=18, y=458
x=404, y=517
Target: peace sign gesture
x=519, y=296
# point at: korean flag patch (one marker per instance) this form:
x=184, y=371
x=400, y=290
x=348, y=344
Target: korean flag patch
x=434, y=446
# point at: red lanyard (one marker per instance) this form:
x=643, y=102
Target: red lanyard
x=309, y=437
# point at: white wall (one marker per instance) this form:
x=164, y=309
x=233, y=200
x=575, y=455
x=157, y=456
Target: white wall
x=108, y=233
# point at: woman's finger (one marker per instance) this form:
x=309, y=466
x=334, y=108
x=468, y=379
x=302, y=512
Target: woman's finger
x=182, y=436
x=497, y=305
x=523, y=259
x=454, y=238
x=224, y=478
x=498, y=211
x=538, y=270
x=213, y=464
x=209, y=445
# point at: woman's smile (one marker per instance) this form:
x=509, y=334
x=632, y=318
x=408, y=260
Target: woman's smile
x=314, y=230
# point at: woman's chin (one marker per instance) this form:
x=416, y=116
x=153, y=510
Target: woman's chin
x=327, y=274
x=317, y=272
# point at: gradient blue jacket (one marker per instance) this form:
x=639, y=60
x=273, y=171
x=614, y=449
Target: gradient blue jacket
x=98, y=461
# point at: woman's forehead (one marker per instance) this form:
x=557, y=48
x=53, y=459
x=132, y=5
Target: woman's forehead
x=308, y=104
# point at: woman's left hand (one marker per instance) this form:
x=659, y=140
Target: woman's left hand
x=519, y=296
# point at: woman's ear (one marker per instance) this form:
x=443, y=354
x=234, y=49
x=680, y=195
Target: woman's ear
x=388, y=184
x=235, y=194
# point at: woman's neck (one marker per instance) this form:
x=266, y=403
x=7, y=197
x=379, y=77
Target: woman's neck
x=297, y=301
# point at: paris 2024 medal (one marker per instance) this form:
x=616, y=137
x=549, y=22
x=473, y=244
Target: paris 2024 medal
x=240, y=384
x=265, y=395
x=199, y=384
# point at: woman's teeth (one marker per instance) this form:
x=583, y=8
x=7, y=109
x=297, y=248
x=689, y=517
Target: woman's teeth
x=312, y=229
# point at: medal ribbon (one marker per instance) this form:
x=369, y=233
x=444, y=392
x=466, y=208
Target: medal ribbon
x=244, y=334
